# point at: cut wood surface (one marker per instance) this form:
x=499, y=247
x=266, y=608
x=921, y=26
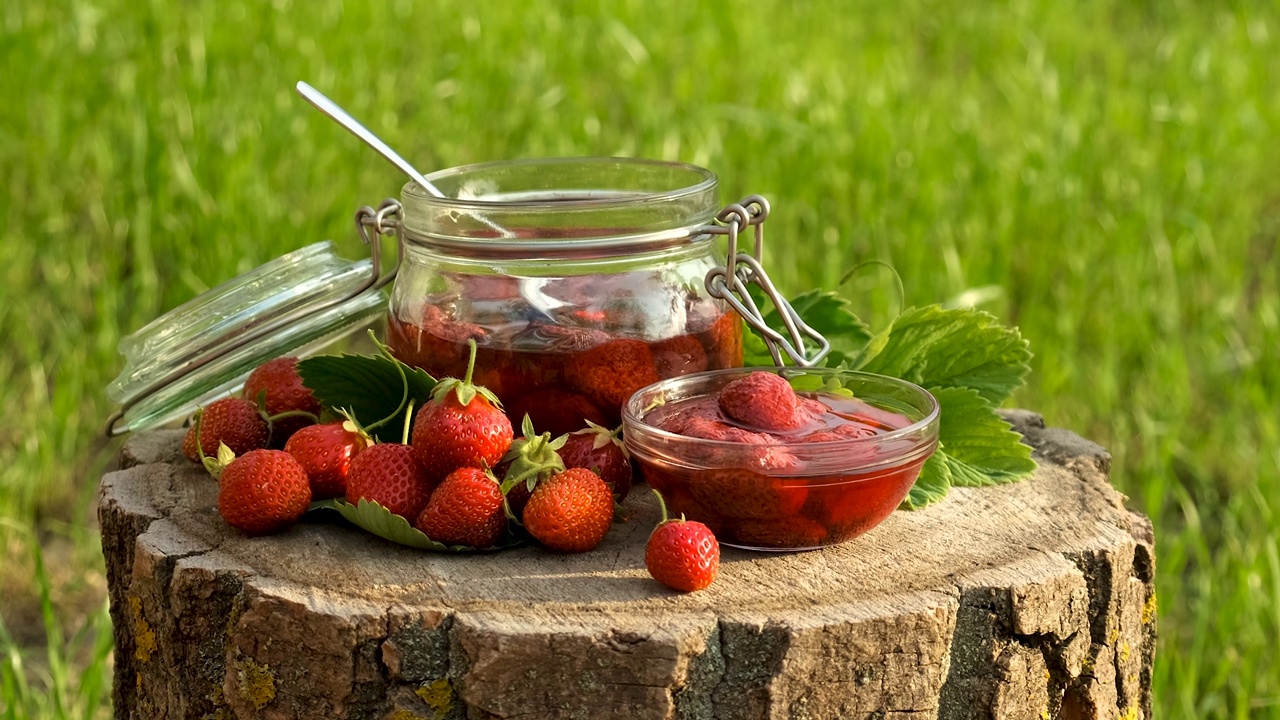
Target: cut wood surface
x=1032, y=600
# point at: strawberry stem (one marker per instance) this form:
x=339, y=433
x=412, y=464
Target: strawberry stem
x=408, y=421
x=662, y=505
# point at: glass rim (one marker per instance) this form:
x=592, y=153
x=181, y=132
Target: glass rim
x=702, y=181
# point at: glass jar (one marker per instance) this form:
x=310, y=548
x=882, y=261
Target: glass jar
x=581, y=280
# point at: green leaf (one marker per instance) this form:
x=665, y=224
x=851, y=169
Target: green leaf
x=370, y=387
x=932, y=485
x=954, y=348
x=380, y=521
x=981, y=448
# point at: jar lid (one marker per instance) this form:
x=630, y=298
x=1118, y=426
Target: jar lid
x=293, y=305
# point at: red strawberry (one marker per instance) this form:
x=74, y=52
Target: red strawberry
x=797, y=533
x=680, y=355
x=461, y=426
x=465, y=510
x=234, y=422
x=738, y=493
x=263, y=491
x=682, y=554
x=278, y=381
x=762, y=400
x=599, y=450
x=611, y=372
x=325, y=452
x=555, y=411
x=390, y=475
x=432, y=341
x=724, y=342
x=570, y=512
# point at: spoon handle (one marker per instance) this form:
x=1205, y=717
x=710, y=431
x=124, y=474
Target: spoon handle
x=328, y=107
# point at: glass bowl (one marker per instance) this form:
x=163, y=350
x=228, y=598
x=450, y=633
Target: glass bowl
x=830, y=481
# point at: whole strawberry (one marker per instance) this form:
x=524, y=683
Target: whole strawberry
x=682, y=554
x=390, y=475
x=461, y=426
x=600, y=450
x=570, y=512
x=285, y=396
x=325, y=452
x=263, y=491
x=466, y=509
x=231, y=421
x=762, y=400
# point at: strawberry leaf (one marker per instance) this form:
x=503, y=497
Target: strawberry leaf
x=380, y=521
x=952, y=348
x=980, y=447
x=824, y=311
x=369, y=387
x=932, y=485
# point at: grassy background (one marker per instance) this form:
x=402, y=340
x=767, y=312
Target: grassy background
x=1103, y=174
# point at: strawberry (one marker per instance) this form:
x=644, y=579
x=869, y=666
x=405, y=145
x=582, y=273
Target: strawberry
x=611, y=372
x=762, y=400
x=555, y=411
x=237, y=423
x=682, y=554
x=278, y=381
x=325, y=452
x=794, y=533
x=600, y=450
x=263, y=491
x=680, y=355
x=466, y=509
x=531, y=459
x=724, y=342
x=434, y=342
x=739, y=493
x=390, y=475
x=570, y=512
x=461, y=426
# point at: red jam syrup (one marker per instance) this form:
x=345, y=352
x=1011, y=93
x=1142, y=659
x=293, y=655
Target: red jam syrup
x=580, y=364
x=763, y=491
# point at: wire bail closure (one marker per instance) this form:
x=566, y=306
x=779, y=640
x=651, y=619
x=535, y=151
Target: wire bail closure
x=731, y=282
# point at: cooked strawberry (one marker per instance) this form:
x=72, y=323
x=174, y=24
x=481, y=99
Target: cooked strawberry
x=680, y=355
x=461, y=426
x=325, y=452
x=611, y=372
x=570, y=512
x=432, y=340
x=601, y=451
x=683, y=555
x=234, y=422
x=466, y=509
x=724, y=342
x=390, y=475
x=739, y=493
x=795, y=533
x=555, y=411
x=279, y=383
x=762, y=400
x=263, y=491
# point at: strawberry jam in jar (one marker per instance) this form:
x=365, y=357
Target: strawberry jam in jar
x=581, y=280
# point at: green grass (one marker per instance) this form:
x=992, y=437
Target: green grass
x=1102, y=174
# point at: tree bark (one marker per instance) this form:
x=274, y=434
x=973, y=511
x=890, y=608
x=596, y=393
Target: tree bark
x=1033, y=600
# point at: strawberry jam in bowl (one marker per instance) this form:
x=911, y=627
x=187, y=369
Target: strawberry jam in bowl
x=782, y=459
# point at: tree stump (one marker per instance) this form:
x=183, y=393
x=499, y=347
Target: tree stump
x=1033, y=600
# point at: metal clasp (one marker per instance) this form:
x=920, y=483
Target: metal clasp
x=372, y=224
x=730, y=283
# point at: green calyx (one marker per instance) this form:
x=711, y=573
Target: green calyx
x=531, y=458
x=463, y=388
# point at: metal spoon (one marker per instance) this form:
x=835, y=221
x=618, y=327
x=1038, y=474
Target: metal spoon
x=343, y=118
